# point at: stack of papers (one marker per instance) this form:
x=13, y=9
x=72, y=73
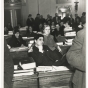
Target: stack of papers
x=70, y=33
x=29, y=65
x=68, y=29
x=10, y=32
x=69, y=41
x=28, y=69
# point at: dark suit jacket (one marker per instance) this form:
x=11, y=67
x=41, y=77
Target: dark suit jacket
x=76, y=57
x=30, y=22
x=57, y=21
x=71, y=22
x=61, y=31
x=14, y=42
x=8, y=67
x=47, y=58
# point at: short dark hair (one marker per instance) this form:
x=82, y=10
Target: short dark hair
x=15, y=30
x=84, y=13
x=45, y=26
x=29, y=15
x=37, y=36
x=38, y=14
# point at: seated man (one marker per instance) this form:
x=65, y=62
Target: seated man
x=16, y=40
x=42, y=54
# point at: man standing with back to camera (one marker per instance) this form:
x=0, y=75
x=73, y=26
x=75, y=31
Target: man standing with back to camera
x=76, y=57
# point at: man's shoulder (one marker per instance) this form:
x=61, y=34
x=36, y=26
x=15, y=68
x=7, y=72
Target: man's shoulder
x=81, y=32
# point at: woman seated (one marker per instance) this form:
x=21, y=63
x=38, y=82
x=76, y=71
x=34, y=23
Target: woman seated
x=40, y=27
x=48, y=38
x=9, y=27
x=16, y=40
x=49, y=41
x=42, y=55
x=29, y=32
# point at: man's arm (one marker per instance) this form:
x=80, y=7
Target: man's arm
x=75, y=56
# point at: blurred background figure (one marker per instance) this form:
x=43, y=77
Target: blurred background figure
x=8, y=67
x=9, y=27
x=16, y=40
x=5, y=30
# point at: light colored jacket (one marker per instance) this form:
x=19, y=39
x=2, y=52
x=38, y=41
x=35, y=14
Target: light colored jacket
x=76, y=57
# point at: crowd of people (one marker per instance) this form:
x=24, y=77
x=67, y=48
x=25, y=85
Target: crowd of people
x=55, y=22
x=44, y=50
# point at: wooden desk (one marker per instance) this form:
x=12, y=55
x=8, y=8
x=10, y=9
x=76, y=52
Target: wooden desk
x=55, y=79
x=7, y=36
x=20, y=56
x=26, y=81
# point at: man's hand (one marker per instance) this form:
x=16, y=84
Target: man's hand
x=40, y=49
x=59, y=49
x=30, y=50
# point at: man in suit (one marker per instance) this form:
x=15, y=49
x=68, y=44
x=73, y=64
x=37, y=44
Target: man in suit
x=57, y=19
x=30, y=21
x=76, y=57
x=42, y=55
x=8, y=67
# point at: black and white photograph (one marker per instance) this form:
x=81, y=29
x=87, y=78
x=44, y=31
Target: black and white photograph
x=43, y=44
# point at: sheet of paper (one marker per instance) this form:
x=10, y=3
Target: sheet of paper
x=59, y=68
x=29, y=65
x=44, y=68
x=21, y=74
x=21, y=71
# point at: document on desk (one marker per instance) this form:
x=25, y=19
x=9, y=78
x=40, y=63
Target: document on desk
x=59, y=68
x=23, y=73
x=44, y=68
x=29, y=65
x=70, y=33
x=51, y=68
x=18, y=49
